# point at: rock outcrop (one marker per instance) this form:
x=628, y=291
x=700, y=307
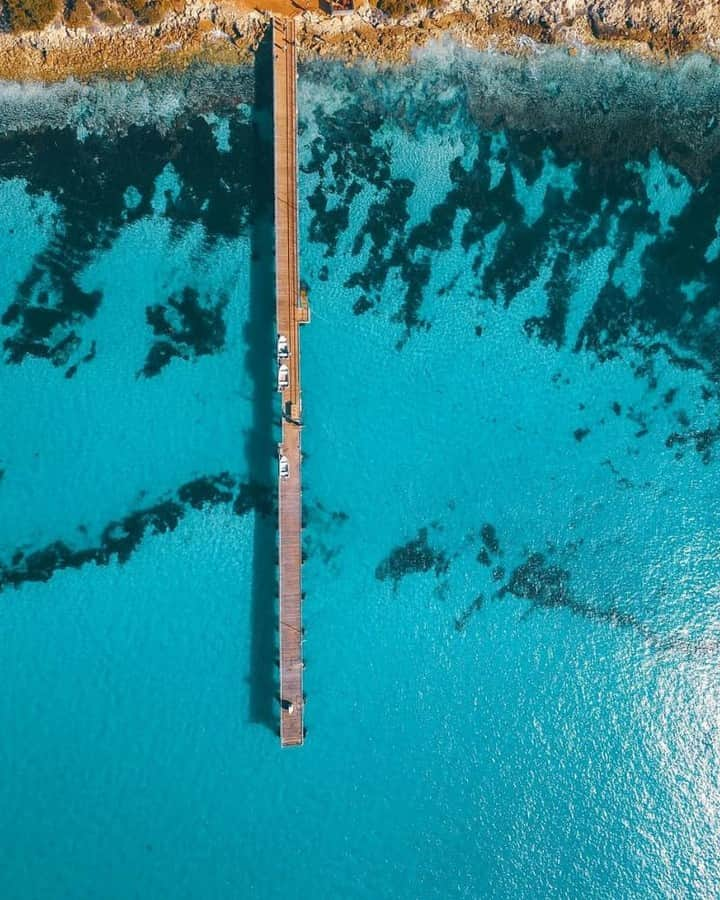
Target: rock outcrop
x=229, y=31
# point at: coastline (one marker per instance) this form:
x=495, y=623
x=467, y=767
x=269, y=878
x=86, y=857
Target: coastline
x=229, y=32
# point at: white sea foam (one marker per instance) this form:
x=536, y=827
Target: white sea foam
x=112, y=105
x=594, y=102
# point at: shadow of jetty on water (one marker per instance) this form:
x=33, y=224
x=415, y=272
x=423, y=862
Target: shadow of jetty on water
x=261, y=442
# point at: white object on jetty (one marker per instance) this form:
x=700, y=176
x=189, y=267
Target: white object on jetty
x=283, y=377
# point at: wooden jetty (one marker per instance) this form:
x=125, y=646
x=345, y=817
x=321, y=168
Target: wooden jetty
x=291, y=312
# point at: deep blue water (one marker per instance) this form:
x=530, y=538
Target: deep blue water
x=512, y=420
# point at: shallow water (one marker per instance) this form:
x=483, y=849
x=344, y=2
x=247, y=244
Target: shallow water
x=511, y=393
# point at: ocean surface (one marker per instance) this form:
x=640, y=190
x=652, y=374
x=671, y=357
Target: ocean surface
x=511, y=388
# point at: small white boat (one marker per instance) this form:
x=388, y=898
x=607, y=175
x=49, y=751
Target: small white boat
x=283, y=350
x=283, y=377
x=284, y=467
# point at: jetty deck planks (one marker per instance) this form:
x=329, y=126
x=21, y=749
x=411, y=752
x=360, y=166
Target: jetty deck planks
x=291, y=312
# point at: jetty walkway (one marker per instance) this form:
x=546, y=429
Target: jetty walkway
x=291, y=312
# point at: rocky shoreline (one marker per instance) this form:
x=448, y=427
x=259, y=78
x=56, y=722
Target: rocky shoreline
x=229, y=32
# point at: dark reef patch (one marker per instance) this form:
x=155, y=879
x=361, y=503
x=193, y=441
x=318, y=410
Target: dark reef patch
x=621, y=480
x=187, y=329
x=207, y=491
x=362, y=305
x=607, y=158
x=462, y=620
x=328, y=222
x=344, y=157
x=547, y=586
x=483, y=557
x=120, y=539
x=550, y=328
x=542, y=579
x=703, y=440
x=490, y=539
x=416, y=556
x=536, y=580
x=88, y=180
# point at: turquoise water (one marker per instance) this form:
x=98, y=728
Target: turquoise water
x=511, y=392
